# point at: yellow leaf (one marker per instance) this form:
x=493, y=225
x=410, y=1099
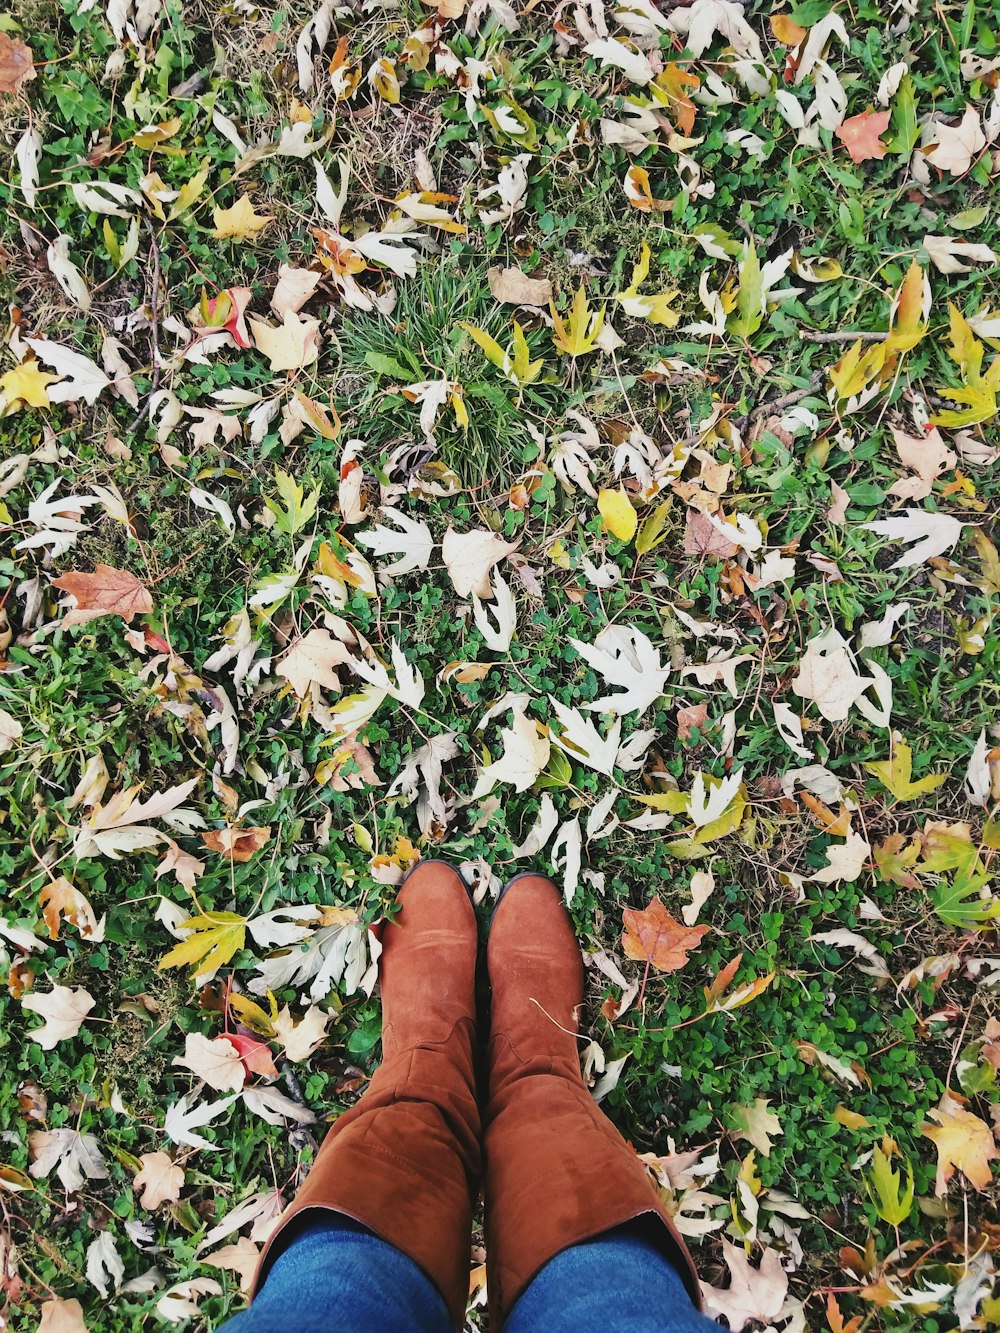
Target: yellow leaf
x=856, y=369
x=620, y=518
x=910, y=310
x=850, y=1119
x=654, y=529
x=189, y=193
x=577, y=335
x=26, y=384
x=655, y=308
x=964, y=1143
x=294, y=344
x=385, y=81
x=979, y=391
x=215, y=938
x=252, y=1015
x=492, y=350
x=894, y=774
x=240, y=221
x=153, y=135
x=637, y=189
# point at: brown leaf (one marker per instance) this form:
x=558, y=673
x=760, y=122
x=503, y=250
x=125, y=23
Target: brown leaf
x=107, y=591
x=695, y=715
x=860, y=135
x=516, y=288
x=653, y=936
x=238, y=843
x=16, y=64
x=160, y=1179
x=702, y=537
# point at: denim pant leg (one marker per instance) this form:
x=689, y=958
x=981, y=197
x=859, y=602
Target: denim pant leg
x=616, y=1283
x=337, y=1277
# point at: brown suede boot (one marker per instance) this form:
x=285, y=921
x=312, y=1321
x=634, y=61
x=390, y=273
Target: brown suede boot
x=557, y=1170
x=405, y=1161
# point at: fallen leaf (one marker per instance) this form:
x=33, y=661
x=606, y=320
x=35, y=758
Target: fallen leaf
x=64, y=1008
x=828, y=677
x=757, y=1124
x=894, y=773
x=957, y=146
x=526, y=752
x=928, y=456
x=964, y=1143
x=59, y=900
x=188, y=1114
x=59, y=1316
x=17, y=66
x=180, y=1302
x=107, y=591
x=703, y=537
x=105, y=1269
x=160, y=1179
x=27, y=383
x=290, y=346
x=303, y=1036
x=844, y=860
x=240, y=221
x=651, y=935
x=313, y=660
x=950, y=254
x=470, y=556
x=753, y=1293
x=513, y=287
x=625, y=657
x=214, y=1059
x=860, y=135
x=213, y=940
x=619, y=517
x=76, y=1157
x=237, y=844
x=931, y=534
x=240, y=1258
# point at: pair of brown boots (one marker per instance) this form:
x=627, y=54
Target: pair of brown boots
x=407, y=1161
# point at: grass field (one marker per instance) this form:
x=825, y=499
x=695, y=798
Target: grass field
x=557, y=435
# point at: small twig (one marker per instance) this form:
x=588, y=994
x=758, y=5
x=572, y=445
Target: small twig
x=810, y=336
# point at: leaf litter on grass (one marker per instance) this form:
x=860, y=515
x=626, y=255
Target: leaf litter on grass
x=650, y=540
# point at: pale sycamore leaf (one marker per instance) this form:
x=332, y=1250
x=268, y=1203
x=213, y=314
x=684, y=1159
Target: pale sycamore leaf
x=581, y=740
x=497, y=623
x=525, y=754
x=413, y=543
x=470, y=556
x=105, y=1269
x=214, y=1059
x=303, y=1036
x=64, y=1009
x=932, y=534
x=75, y=1157
x=183, y=1117
x=625, y=657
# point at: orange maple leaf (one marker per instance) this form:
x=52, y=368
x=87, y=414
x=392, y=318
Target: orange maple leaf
x=239, y=844
x=652, y=936
x=860, y=135
x=105, y=592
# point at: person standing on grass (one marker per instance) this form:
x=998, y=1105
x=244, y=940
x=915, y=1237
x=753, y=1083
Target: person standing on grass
x=378, y=1237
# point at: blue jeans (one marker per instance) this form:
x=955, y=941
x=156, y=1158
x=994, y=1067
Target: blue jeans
x=337, y=1277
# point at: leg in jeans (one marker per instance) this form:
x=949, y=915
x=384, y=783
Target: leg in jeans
x=558, y=1173
x=616, y=1283
x=404, y=1162
x=337, y=1277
